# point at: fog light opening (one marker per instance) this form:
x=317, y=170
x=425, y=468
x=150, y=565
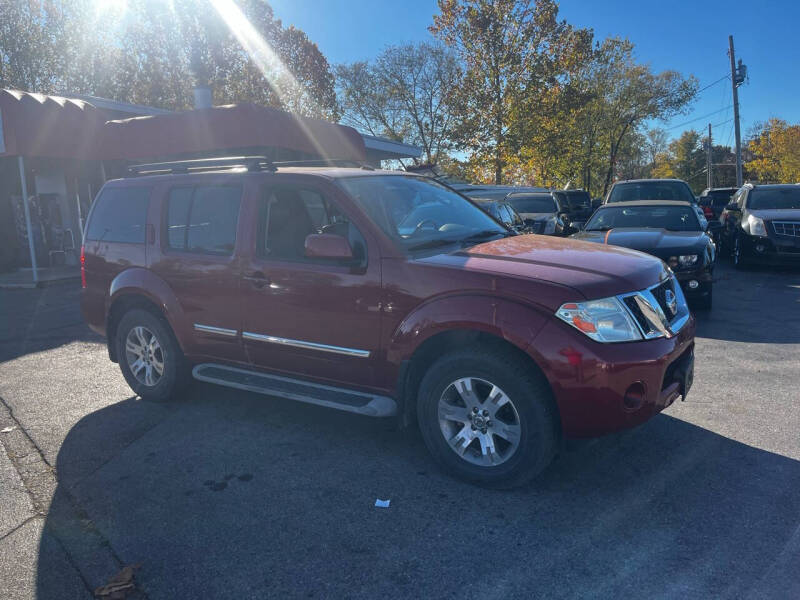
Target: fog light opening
x=694, y=284
x=760, y=247
x=634, y=396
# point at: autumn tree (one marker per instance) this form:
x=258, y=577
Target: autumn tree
x=775, y=150
x=512, y=51
x=404, y=94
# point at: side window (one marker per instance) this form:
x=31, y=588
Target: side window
x=289, y=214
x=119, y=215
x=203, y=218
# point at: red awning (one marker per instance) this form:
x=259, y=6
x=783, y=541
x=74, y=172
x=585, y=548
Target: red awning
x=52, y=126
x=40, y=125
x=228, y=127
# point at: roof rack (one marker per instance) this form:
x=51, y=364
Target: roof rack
x=251, y=163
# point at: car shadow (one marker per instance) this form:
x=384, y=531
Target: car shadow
x=33, y=320
x=757, y=305
x=230, y=495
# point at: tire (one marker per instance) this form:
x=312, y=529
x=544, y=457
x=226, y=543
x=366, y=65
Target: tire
x=738, y=254
x=527, y=416
x=707, y=301
x=141, y=369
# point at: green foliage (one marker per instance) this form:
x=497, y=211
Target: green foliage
x=152, y=52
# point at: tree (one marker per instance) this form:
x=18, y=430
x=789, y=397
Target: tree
x=403, y=94
x=775, y=148
x=512, y=51
x=154, y=52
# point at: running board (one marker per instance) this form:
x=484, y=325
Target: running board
x=295, y=389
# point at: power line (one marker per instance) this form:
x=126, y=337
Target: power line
x=723, y=78
x=698, y=118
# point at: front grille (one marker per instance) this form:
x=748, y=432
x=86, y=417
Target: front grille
x=660, y=293
x=790, y=228
x=630, y=302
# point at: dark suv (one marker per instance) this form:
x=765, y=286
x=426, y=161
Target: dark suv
x=762, y=225
x=383, y=294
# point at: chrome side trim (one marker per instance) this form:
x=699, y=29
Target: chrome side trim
x=271, y=339
x=217, y=330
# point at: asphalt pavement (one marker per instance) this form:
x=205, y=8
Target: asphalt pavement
x=226, y=494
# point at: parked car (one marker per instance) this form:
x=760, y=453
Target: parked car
x=297, y=282
x=655, y=189
x=492, y=192
x=714, y=200
x=505, y=213
x=541, y=212
x=667, y=229
x=762, y=225
x=578, y=203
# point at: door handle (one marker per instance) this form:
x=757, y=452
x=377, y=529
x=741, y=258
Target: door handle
x=258, y=279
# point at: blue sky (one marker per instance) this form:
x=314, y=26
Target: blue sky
x=691, y=37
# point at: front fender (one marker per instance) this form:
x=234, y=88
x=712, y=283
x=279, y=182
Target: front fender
x=508, y=319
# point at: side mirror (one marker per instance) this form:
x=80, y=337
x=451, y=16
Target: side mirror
x=328, y=245
x=713, y=226
x=732, y=206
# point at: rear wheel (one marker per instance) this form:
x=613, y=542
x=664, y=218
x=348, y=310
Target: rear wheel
x=488, y=417
x=149, y=356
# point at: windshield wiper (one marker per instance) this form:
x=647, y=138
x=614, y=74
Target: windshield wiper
x=434, y=243
x=482, y=235
x=599, y=229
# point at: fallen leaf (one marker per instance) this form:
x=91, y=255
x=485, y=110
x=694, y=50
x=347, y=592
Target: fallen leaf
x=8, y=429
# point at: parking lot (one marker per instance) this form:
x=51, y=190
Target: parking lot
x=230, y=494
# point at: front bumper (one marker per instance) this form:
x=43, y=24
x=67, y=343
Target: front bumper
x=590, y=380
x=703, y=276
x=771, y=250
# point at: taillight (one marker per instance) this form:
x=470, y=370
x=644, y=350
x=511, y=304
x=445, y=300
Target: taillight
x=83, y=267
x=708, y=212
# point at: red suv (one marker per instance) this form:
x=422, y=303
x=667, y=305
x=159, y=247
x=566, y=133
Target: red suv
x=383, y=294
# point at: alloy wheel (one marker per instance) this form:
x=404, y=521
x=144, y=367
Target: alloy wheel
x=479, y=421
x=144, y=355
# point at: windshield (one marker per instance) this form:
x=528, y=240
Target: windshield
x=766, y=199
x=420, y=212
x=651, y=190
x=673, y=218
x=578, y=200
x=541, y=203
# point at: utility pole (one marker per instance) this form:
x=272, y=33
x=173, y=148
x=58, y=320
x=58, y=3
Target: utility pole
x=709, y=148
x=735, y=81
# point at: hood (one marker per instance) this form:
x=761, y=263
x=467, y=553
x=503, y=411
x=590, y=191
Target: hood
x=594, y=271
x=658, y=242
x=777, y=214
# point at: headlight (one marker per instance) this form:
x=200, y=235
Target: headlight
x=687, y=260
x=604, y=320
x=550, y=226
x=756, y=225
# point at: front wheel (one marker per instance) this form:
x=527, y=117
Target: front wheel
x=488, y=416
x=149, y=356
x=739, y=260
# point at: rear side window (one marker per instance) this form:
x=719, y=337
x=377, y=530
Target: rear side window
x=203, y=218
x=119, y=215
